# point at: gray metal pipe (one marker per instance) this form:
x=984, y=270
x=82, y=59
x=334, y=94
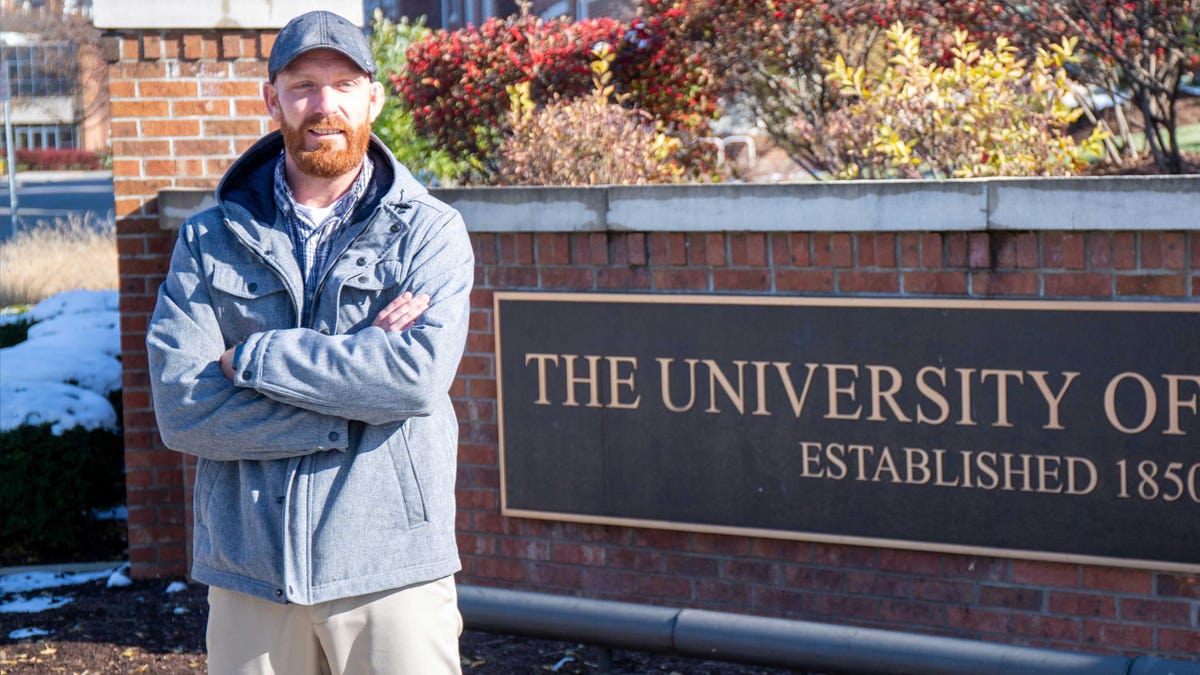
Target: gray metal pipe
x=776, y=642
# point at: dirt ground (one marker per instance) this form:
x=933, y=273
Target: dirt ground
x=142, y=629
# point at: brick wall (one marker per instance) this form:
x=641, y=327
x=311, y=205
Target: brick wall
x=184, y=105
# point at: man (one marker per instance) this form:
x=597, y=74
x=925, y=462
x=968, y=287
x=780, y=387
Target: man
x=303, y=348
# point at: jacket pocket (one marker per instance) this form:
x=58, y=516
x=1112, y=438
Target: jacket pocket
x=408, y=477
x=248, y=299
x=367, y=292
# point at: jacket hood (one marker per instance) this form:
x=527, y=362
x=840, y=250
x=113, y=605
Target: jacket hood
x=250, y=181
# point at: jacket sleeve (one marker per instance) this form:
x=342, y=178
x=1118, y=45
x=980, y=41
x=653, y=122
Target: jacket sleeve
x=201, y=413
x=372, y=375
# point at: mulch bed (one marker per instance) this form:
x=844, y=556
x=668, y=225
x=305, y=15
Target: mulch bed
x=141, y=629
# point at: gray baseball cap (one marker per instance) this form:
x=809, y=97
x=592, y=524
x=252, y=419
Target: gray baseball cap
x=320, y=30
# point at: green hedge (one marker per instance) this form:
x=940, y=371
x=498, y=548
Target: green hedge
x=50, y=486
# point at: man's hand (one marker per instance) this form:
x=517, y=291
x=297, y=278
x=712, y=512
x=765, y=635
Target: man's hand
x=226, y=363
x=402, y=313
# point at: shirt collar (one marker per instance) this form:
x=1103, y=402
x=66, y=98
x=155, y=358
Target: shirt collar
x=285, y=201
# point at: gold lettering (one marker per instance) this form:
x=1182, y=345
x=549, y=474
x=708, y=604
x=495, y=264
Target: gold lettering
x=592, y=379
x=615, y=381
x=989, y=469
x=665, y=370
x=939, y=480
x=1174, y=403
x=835, y=458
x=1009, y=471
x=863, y=451
x=911, y=457
x=1053, y=401
x=786, y=377
x=1045, y=472
x=716, y=376
x=886, y=463
x=964, y=376
x=1110, y=403
x=807, y=448
x=1072, y=481
x=933, y=395
x=1001, y=392
x=541, y=359
x=879, y=394
x=835, y=391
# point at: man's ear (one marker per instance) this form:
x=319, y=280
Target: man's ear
x=271, y=99
x=377, y=98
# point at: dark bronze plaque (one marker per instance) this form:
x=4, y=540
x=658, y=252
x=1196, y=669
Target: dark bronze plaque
x=1049, y=430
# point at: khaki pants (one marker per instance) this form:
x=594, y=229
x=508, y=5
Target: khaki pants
x=411, y=631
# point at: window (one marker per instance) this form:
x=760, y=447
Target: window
x=39, y=136
x=40, y=69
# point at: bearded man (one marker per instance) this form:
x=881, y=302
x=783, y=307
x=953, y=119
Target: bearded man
x=303, y=347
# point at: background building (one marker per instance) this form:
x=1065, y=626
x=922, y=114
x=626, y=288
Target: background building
x=452, y=14
x=54, y=74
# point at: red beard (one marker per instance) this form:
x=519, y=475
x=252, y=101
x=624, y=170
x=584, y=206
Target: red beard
x=326, y=161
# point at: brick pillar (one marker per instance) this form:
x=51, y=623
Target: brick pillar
x=184, y=105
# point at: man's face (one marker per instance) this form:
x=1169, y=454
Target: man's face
x=325, y=106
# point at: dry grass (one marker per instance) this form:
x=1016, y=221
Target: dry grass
x=48, y=259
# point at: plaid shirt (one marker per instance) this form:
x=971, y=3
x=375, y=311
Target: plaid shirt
x=313, y=242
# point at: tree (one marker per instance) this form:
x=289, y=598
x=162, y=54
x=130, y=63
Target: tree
x=1146, y=46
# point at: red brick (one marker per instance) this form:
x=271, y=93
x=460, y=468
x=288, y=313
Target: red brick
x=249, y=106
x=931, y=250
x=1053, y=628
x=1038, y=573
x=174, y=167
x=804, y=280
x=140, y=148
x=682, y=279
x=817, y=579
x=720, y=544
x=203, y=147
x=1157, y=612
x=625, y=278
x=166, y=88
x=140, y=108
x=935, y=590
x=910, y=562
x=983, y=621
x=500, y=568
x=832, y=250
x=1125, y=250
x=119, y=89
x=568, y=278
x=1117, y=580
x=1117, y=636
x=636, y=559
x=979, y=251
x=516, y=249
x=939, y=283
x=748, y=249
x=844, y=607
x=751, y=571
x=856, y=281
x=1152, y=250
x=722, y=593
x=578, y=554
x=1174, y=251
x=230, y=89
x=791, y=249
x=1011, y=597
x=876, y=250
x=140, y=71
x=1184, y=643
x=912, y=613
x=670, y=540
x=910, y=249
x=714, y=249
x=635, y=249
x=969, y=567
x=243, y=127
x=1004, y=283
x=231, y=45
x=1162, y=285
x=1099, y=251
x=667, y=248
x=957, y=249
x=878, y=585
x=782, y=549
x=780, y=600
x=1080, y=285
x=127, y=168
x=692, y=566
x=741, y=280
x=553, y=249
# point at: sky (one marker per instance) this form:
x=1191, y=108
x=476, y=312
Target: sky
x=38, y=381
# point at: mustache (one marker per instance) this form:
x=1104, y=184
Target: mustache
x=325, y=124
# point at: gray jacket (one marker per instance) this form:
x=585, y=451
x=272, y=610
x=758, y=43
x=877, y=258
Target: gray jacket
x=327, y=469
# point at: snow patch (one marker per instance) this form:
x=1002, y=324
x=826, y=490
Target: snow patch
x=26, y=633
